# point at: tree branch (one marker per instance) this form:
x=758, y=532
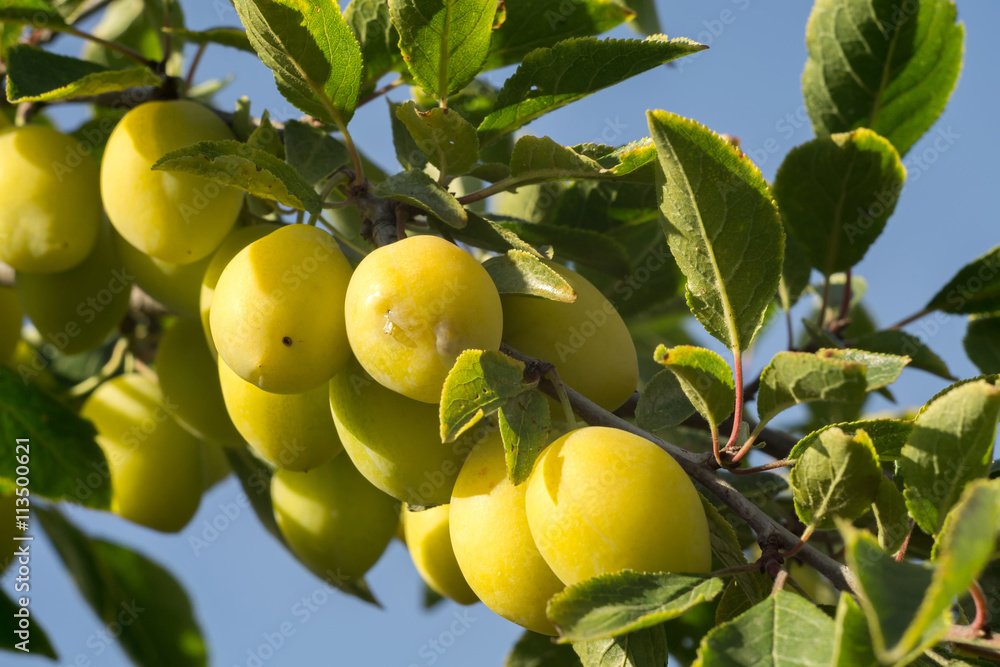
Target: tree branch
x=699, y=468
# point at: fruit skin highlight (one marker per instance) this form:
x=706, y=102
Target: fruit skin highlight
x=413, y=306
x=173, y=216
x=51, y=211
x=291, y=431
x=334, y=521
x=429, y=541
x=157, y=468
x=587, y=340
x=277, y=316
x=600, y=500
x=397, y=447
x=493, y=544
x=76, y=310
x=187, y=370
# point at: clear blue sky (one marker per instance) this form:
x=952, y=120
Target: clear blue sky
x=244, y=585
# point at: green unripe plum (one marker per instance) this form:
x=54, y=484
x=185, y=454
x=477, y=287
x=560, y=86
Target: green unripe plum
x=333, y=520
x=157, y=468
x=396, y=446
x=600, y=500
x=176, y=286
x=413, y=307
x=75, y=310
x=493, y=544
x=11, y=315
x=429, y=540
x=587, y=340
x=51, y=209
x=231, y=245
x=190, y=378
x=172, y=216
x=277, y=317
x=291, y=431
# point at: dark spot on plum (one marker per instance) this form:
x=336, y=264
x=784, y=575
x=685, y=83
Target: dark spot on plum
x=287, y=341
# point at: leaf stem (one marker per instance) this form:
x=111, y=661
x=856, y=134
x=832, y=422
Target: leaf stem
x=738, y=407
x=381, y=91
x=901, y=554
x=806, y=534
x=752, y=438
x=107, y=370
x=907, y=320
x=979, y=597
x=821, y=321
x=845, y=301
x=359, y=170
x=124, y=50
x=773, y=465
x=553, y=377
x=189, y=79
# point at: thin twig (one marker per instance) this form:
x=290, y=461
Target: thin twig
x=901, y=554
x=773, y=465
x=907, y=320
x=194, y=65
x=381, y=91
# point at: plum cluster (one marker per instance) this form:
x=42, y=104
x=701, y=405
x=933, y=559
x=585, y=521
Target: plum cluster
x=332, y=374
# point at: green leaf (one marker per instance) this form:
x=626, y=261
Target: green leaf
x=982, y=343
x=837, y=477
x=887, y=435
x=535, y=24
x=33, y=12
x=235, y=38
x=643, y=648
x=420, y=190
x=372, y=26
x=662, y=403
x=784, y=629
x=722, y=227
x=597, y=251
x=951, y=445
x=892, y=596
x=795, y=273
x=255, y=479
x=853, y=640
x=975, y=289
x=36, y=639
x=537, y=159
x=727, y=553
x=882, y=65
x=266, y=138
x=519, y=272
x=479, y=383
x=902, y=343
x=35, y=75
x=66, y=461
x=484, y=232
x=891, y=516
x=704, y=376
x=138, y=25
x=120, y=584
x=615, y=604
x=312, y=52
x=238, y=165
x=447, y=139
x=408, y=153
x=524, y=428
x=312, y=152
x=880, y=369
x=836, y=194
x=798, y=377
x=444, y=42
x=551, y=78
x=535, y=650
